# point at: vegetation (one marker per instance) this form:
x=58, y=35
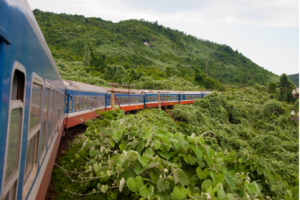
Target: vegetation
x=294, y=78
x=285, y=89
x=92, y=46
x=237, y=145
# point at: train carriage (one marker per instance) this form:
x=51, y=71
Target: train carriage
x=32, y=93
x=83, y=101
x=167, y=98
x=188, y=97
x=128, y=100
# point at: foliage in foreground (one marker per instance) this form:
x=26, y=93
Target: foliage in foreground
x=247, y=119
x=146, y=156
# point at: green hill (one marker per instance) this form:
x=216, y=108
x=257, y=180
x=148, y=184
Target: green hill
x=294, y=78
x=137, y=48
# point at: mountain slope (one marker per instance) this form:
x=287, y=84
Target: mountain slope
x=146, y=46
x=294, y=78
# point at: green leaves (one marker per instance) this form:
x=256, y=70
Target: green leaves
x=197, y=151
x=135, y=184
x=152, y=162
x=144, y=192
x=117, y=135
x=250, y=187
x=144, y=159
x=205, y=184
x=202, y=174
x=166, y=155
x=185, y=145
x=162, y=185
x=230, y=180
x=104, y=188
x=180, y=176
x=178, y=194
x=221, y=194
x=123, y=145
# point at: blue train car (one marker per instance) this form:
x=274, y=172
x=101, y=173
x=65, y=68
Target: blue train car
x=128, y=102
x=167, y=98
x=187, y=97
x=82, y=102
x=32, y=105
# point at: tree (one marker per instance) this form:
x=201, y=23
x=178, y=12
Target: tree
x=285, y=89
x=199, y=77
x=272, y=87
x=168, y=71
x=91, y=59
x=127, y=66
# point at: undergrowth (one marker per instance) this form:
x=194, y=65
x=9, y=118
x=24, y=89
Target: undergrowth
x=247, y=119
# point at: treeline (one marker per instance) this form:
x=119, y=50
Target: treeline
x=145, y=48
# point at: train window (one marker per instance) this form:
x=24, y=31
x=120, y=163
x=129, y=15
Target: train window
x=91, y=102
x=35, y=108
x=85, y=102
x=71, y=104
x=45, y=123
x=34, y=131
x=58, y=106
x=81, y=103
x=77, y=102
x=18, y=86
x=54, y=111
x=50, y=116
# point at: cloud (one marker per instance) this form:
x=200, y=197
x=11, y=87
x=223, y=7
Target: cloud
x=274, y=13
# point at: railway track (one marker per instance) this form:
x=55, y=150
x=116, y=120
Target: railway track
x=67, y=137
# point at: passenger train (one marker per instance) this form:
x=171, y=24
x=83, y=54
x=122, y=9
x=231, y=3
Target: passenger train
x=37, y=105
x=83, y=101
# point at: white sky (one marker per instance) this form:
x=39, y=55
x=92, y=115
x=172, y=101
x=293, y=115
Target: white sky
x=265, y=31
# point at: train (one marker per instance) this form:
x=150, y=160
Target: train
x=37, y=105
x=83, y=101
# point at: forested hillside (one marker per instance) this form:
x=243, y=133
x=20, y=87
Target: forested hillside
x=294, y=78
x=132, y=49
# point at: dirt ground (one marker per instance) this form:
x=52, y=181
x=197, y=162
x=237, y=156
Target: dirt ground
x=67, y=137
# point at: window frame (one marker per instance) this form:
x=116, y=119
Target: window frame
x=35, y=132
x=51, y=115
x=47, y=86
x=14, y=104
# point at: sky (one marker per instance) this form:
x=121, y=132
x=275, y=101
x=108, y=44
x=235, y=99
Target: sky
x=265, y=31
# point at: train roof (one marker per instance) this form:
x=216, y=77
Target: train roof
x=190, y=92
x=122, y=91
x=195, y=92
x=83, y=87
x=161, y=91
